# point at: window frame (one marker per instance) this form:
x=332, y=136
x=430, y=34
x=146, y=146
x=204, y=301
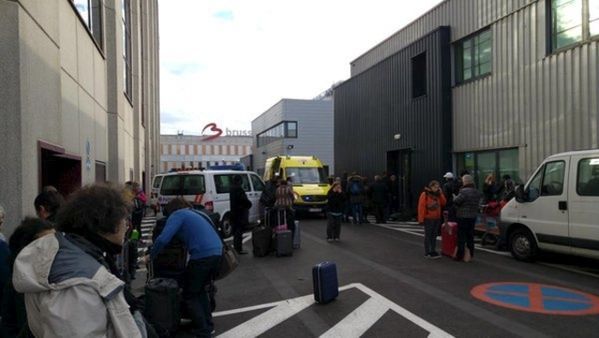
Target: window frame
x=586, y=36
x=98, y=41
x=263, y=138
x=578, y=167
x=419, y=83
x=545, y=166
x=459, y=56
x=127, y=60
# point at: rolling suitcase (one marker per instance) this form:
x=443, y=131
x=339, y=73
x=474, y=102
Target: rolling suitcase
x=449, y=239
x=162, y=304
x=324, y=279
x=261, y=241
x=297, y=237
x=283, y=243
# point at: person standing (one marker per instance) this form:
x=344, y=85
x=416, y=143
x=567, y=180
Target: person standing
x=356, y=197
x=240, y=212
x=47, y=204
x=69, y=278
x=467, y=204
x=335, y=206
x=430, y=205
x=393, y=194
x=205, y=253
x=379, y=192
x=450, y=189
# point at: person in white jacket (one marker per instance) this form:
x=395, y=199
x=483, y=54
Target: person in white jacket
x=68, y=278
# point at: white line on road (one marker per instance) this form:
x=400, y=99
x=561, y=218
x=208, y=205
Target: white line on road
x=353, y=325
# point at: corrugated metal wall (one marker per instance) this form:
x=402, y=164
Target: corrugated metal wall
x=377, y=104
x=541, y=103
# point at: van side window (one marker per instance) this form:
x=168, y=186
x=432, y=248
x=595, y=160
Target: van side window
x=553, y=179
x=534, y=188
x=257, y=183
x=223, y=183
x=587, y=183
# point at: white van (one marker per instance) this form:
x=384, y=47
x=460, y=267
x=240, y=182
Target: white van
x=155, y=191
x=210, y=188
x=557, y=210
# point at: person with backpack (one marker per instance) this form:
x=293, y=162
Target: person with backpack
x=450, y=189
x=284, y=198
x=430, y=206
x=356, y=197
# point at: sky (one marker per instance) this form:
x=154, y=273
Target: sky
x=228, y=61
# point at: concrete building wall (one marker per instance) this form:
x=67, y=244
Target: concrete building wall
x=59, y=90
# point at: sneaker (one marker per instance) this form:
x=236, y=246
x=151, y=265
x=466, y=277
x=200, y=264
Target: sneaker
x=329, y=240
x=336, y=239
x=428, y=256
x=435, y=255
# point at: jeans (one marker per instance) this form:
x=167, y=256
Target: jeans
x=198, y=274
x=431, y=231
x=333, y=226
x=357, y=212
x=465, y=236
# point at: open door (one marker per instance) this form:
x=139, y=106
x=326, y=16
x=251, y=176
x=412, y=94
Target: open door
x=399, y=162
x=58, y=169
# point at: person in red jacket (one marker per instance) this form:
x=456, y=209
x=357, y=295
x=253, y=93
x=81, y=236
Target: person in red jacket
x=430, y=206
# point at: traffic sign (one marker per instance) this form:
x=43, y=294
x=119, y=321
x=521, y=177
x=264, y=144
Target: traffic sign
x=538, y=298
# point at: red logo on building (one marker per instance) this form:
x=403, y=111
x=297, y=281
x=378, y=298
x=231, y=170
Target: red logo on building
x=217, y=132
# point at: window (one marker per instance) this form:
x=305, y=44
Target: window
x=474, y=56
x=419, y=75
x=587, y=183
x=127, y=76
x=573, y=21
x=306, y=175
x=183, y=185
x=257, y=183
x=90, y=11
x=157, y=181
x=498, y=162
x=553, y=179
x=224, y=182
x=286, y=129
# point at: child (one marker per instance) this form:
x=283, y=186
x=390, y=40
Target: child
x=430, y=204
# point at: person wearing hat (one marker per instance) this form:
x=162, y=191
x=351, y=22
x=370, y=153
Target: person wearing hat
x=451, y=188
x=467, y=204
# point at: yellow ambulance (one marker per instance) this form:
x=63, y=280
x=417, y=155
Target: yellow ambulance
x=309, y=180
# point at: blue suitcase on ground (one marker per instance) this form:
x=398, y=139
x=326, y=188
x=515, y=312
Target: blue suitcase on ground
x=324, y=278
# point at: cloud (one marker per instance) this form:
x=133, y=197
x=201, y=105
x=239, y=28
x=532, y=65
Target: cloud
x=228, y=61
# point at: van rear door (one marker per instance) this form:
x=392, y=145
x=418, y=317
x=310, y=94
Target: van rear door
x=546, y=211
x=584, y=204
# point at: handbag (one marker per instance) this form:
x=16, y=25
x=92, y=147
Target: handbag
x=229, y=262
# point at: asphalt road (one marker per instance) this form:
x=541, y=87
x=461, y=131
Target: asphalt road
x=390, y=290
x=412, y=296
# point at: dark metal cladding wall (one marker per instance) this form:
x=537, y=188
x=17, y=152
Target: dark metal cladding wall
x=373, y=106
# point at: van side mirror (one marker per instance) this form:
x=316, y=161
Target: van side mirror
x=520, y=194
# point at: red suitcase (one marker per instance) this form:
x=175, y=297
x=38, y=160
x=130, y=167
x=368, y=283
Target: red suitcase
x=449, y=239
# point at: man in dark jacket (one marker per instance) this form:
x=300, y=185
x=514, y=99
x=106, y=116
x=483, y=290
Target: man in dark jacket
x=467, y=207
x=450, y=188
x=240, y=208
x=379, y=192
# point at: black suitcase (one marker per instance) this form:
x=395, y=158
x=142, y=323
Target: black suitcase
x=283, y=243
x=324, y=280
x=163, y=305
x=261, y=241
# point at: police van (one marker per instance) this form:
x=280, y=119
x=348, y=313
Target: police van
x=210, y=188
x=558, y=208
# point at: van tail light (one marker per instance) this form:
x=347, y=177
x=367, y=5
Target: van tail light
x=209, y=206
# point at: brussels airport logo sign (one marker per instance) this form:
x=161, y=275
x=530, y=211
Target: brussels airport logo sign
x=217, y=132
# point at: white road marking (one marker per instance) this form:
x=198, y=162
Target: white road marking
x=353, y=325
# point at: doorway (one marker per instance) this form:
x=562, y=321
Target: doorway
x=58, y=169
x=399, y=162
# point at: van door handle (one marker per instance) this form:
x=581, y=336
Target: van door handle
x=563, y=205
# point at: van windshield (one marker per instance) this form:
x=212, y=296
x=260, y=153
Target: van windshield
x=306, y=175
x=183, y=185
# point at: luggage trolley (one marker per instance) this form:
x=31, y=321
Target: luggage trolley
x=487, y=223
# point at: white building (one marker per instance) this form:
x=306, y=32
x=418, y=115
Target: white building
x=79, y=95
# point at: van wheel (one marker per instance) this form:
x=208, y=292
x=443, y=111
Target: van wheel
x=226, y=228
x=523, y=245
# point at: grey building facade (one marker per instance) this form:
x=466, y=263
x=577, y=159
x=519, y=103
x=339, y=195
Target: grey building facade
x=79, y=96
x=294, y=127
x=524, y=82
